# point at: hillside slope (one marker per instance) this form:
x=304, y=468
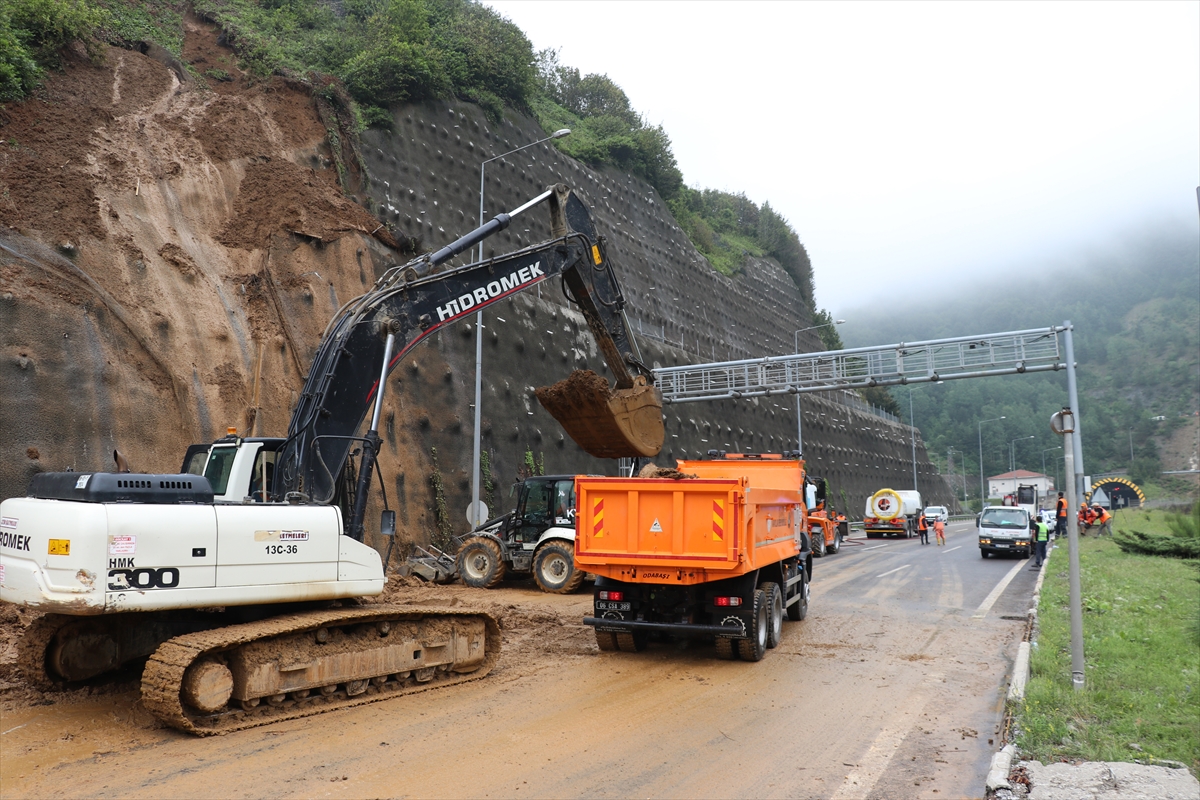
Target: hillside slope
x=172, y=253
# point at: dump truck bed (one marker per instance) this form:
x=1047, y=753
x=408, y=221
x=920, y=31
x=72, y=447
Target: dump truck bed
x=731, y=518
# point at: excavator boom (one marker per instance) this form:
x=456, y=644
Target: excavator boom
x=412, y=301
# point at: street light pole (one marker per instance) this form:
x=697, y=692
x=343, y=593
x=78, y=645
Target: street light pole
x=912, y=430
x=1047, y=450
x=1012, y=453
x=981, y=488
x=476, y=514
x=796, y=346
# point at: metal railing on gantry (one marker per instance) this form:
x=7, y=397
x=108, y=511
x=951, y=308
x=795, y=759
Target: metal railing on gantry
x=1007, y=353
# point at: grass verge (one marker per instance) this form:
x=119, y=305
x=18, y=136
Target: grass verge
x=1143, y=662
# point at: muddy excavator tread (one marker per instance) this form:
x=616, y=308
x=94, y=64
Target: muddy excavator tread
x=164, y=675
x=31, y=651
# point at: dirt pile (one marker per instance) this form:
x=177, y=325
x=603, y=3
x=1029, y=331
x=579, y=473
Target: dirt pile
x=171, y=247
x=655, y=471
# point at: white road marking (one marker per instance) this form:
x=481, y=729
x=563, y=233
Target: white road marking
x=871, y=765
x=988, y=601
x=952, y=549
x=897, y=569
x=876, y=547
x=10, y=730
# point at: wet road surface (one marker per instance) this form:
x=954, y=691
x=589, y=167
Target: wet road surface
x=892, y=687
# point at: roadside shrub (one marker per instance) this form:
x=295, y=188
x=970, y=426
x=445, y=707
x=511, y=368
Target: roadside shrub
x=1182, y=542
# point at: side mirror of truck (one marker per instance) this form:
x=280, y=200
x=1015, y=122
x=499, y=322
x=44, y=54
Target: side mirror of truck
x=387, y=523
x=977, y=520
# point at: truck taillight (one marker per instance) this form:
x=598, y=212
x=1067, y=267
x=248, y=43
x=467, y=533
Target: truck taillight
x=727, y=601
x=605, y=594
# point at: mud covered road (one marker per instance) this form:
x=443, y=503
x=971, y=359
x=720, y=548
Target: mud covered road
x=892, y=687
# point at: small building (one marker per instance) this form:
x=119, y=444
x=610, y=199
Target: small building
x=1000, y=485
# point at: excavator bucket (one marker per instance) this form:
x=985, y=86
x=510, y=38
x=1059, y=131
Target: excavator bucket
x=607, y=423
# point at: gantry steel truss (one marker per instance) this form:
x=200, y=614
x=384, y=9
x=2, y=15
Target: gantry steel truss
x=1007, y=353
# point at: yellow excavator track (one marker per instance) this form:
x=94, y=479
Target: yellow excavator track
x=241, y=676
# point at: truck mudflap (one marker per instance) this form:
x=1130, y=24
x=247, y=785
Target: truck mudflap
x=672, y=628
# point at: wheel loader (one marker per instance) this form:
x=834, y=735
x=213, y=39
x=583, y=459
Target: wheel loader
x=235, y=580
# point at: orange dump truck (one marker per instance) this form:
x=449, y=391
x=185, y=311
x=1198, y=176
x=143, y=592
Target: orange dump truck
x=723, y=555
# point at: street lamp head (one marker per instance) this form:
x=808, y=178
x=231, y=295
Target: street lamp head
x=838, y=321
x=560, y=133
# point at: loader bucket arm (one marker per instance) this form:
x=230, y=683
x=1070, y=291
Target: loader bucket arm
x=413, y=301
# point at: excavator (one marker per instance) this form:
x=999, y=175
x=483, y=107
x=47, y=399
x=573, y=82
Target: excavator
x=237, y=579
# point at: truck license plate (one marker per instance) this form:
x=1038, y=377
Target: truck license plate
x=608, y=605
x=998, y=544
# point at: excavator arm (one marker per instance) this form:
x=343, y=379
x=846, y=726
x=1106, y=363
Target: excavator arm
x=372, y=333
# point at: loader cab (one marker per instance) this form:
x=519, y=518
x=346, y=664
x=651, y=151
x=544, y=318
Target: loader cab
x=545, y=501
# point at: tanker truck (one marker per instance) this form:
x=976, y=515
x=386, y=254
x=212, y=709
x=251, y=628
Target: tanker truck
x=892, y=512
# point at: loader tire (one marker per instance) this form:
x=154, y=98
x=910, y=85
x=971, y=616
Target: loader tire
x=774, y=613
x=554, y=568
x=480, y=563
x=837, y=541
x=818, y=543
x=754, y=648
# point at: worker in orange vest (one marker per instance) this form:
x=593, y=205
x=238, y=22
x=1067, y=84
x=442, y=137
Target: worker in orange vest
x=1103, y=519
x=1085, y=519
x=923, y=528
x=1060, y=516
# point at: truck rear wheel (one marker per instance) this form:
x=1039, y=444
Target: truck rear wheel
x=631, y=642
x=754, y=648
x=774, y=613
x=606, y=640
x=480, y=563
x=725, y=648
x=554, y=569
x=799, y=609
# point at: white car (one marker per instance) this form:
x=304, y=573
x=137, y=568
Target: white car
x=934, y=513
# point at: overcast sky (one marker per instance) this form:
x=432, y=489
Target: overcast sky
x=913, y=145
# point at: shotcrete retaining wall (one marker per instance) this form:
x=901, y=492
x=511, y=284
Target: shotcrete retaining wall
x=424, y=180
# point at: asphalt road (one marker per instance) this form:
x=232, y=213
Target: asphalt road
x=893, y=687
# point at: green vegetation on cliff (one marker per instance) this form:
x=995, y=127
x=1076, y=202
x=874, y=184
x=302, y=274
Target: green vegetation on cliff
x=32, y=34
x=388, y=52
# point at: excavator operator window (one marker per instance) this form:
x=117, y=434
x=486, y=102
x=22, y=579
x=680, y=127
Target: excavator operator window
x=263, y=475
x=220, y=464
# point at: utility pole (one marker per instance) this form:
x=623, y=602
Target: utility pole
x=1063, y=423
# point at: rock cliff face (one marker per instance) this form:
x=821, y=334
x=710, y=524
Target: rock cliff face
x=170, y=254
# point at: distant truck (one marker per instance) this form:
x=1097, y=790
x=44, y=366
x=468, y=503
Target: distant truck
x=723, y=552
x=1026, y=497
x=892, y=512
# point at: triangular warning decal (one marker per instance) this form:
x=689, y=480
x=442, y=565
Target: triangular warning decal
x=656, y=527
